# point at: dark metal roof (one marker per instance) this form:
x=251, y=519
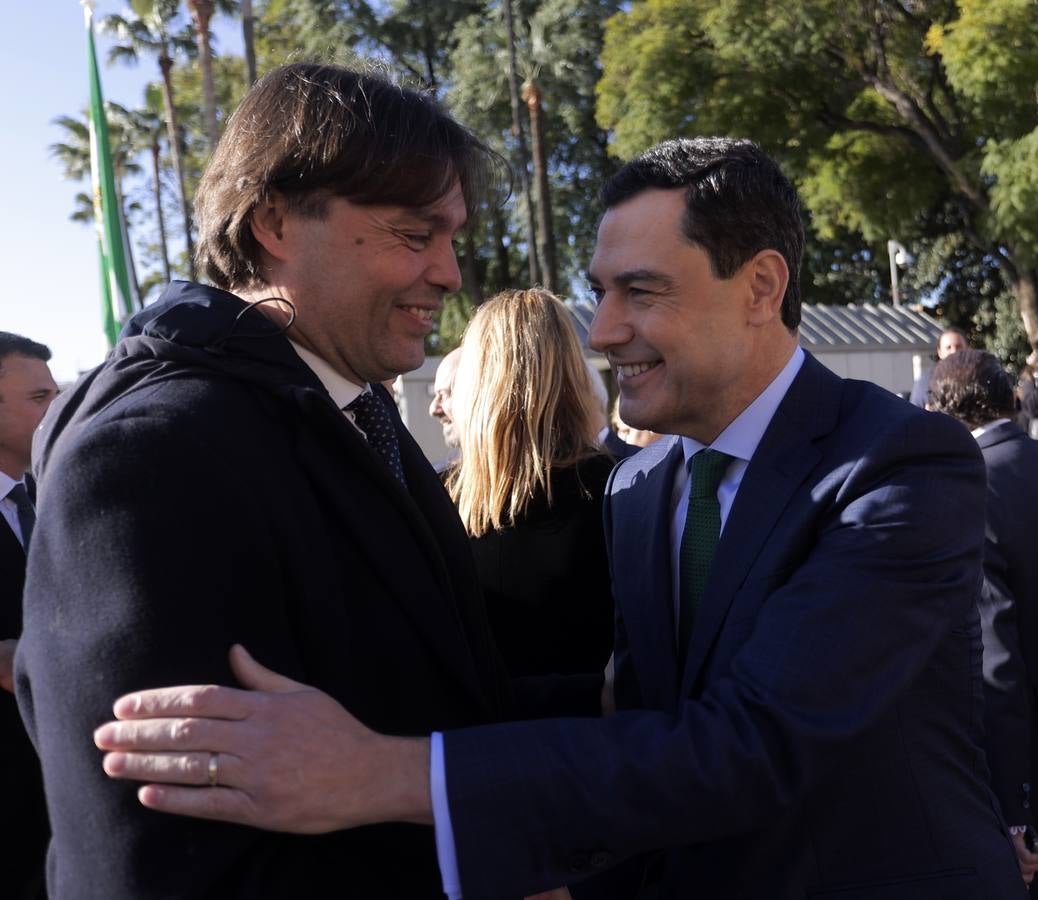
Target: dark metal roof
x=868, y=327
x=854, y=327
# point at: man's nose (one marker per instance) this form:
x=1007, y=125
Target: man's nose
x=444, y=270
x=608, y=328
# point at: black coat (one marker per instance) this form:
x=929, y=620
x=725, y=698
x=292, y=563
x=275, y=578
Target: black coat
x=21, y=787
x=1009, y=616
x=201, y=488
x=546, y=578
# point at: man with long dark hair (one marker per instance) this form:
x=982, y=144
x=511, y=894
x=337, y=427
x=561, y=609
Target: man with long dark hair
x=235, y=471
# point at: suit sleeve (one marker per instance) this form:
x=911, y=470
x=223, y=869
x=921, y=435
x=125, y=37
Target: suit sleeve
x=830, y=651
x=1007, y=734
x=140, y=575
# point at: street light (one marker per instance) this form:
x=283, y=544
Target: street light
x=899, y=256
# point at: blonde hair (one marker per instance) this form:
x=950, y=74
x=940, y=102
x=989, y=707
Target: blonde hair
x=524, y=404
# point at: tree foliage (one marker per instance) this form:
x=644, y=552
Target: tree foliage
x=914, y=119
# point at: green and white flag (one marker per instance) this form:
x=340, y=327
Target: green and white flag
x=116, y=300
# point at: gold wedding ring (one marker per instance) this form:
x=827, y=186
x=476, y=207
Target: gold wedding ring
x=214, y=769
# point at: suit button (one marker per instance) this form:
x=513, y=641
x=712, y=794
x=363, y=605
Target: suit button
x=601, y=858
x=578, y=862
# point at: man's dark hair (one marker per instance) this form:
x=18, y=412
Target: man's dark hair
x=14, y=344
x=972, y=386
x=311, y=132
x=737, y=203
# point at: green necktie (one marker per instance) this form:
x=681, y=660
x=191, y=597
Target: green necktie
x=699, y=539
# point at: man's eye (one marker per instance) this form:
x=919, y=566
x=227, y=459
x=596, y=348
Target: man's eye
x=418, y=238
x=597, y=292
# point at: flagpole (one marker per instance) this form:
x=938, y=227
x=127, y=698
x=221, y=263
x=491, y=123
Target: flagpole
x=116, y=299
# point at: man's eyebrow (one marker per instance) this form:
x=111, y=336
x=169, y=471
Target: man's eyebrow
x=631, y=275
x=435, y=220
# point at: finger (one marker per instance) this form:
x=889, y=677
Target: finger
x=226, y=804
x=252, y=675
x=173, y=768
x=208, y=700
x=167, y=735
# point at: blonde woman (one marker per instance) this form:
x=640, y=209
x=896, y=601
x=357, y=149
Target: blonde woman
x=529, y=483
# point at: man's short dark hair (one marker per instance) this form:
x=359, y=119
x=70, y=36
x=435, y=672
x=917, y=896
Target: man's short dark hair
x=14, y=344
x=972, y=386
x=311, y=132
x=737, y=203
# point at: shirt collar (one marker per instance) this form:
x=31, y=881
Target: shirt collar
x=987, y=426
x=339, y=388
x=744, y=432
x=6, y=484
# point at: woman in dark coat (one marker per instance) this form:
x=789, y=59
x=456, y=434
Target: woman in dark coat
x=529, y=484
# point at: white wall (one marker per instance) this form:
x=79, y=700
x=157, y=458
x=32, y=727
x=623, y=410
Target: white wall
x=891, y=369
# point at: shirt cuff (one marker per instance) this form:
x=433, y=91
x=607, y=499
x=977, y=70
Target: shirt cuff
x=445, y=852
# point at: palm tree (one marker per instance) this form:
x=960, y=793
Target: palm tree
x=248, y=31
x=150, y=30
x=74, y=155
x=146, y=127
x=202, y=14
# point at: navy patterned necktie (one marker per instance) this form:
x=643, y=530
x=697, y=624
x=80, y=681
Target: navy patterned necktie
x=372, y=417
x=700, y=537
x=26, y=511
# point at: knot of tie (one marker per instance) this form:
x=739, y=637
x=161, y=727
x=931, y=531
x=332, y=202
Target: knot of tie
x=373, y=418
x=26, y=511
x=708, y=468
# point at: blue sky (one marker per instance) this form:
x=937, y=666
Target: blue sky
x=52, y=261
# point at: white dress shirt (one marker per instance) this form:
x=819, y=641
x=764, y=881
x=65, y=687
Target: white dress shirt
x=739, y=439
x=7, y=506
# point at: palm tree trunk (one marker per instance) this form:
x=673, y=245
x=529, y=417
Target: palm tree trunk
x=166, y=65
x=520, y=145
x=545, y=230
x=470, y=269
x=202, y=14
x=156, y=172
x=249, y=38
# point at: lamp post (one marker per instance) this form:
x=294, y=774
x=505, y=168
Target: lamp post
x=899, y=256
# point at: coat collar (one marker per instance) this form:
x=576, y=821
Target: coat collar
x=1007, y=431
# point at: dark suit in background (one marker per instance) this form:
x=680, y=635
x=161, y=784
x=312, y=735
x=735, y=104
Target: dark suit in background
x=823, y=739
x=617, y=446
x=21, y=784
x=1009, y=613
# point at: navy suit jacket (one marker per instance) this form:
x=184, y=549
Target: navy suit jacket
x=21, y=785
x=1009, y=616
x=823, y=738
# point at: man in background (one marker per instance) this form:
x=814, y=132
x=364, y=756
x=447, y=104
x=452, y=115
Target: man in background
x=26, y=390
x=440, y=407
x=973, y=387
x=951, y=341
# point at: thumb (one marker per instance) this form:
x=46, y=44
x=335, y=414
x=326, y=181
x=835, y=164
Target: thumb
x=252, y=675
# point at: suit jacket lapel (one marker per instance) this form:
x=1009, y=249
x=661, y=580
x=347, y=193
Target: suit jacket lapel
x=327, y=443
x=641, y=568
x=783, y=459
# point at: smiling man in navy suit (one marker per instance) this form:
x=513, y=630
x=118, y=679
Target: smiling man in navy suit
x=797, y=660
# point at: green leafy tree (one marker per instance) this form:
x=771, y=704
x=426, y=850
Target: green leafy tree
x=915, y=119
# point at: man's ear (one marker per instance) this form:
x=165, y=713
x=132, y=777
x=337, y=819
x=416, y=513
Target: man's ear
x=267, y=221
x=767, y=275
